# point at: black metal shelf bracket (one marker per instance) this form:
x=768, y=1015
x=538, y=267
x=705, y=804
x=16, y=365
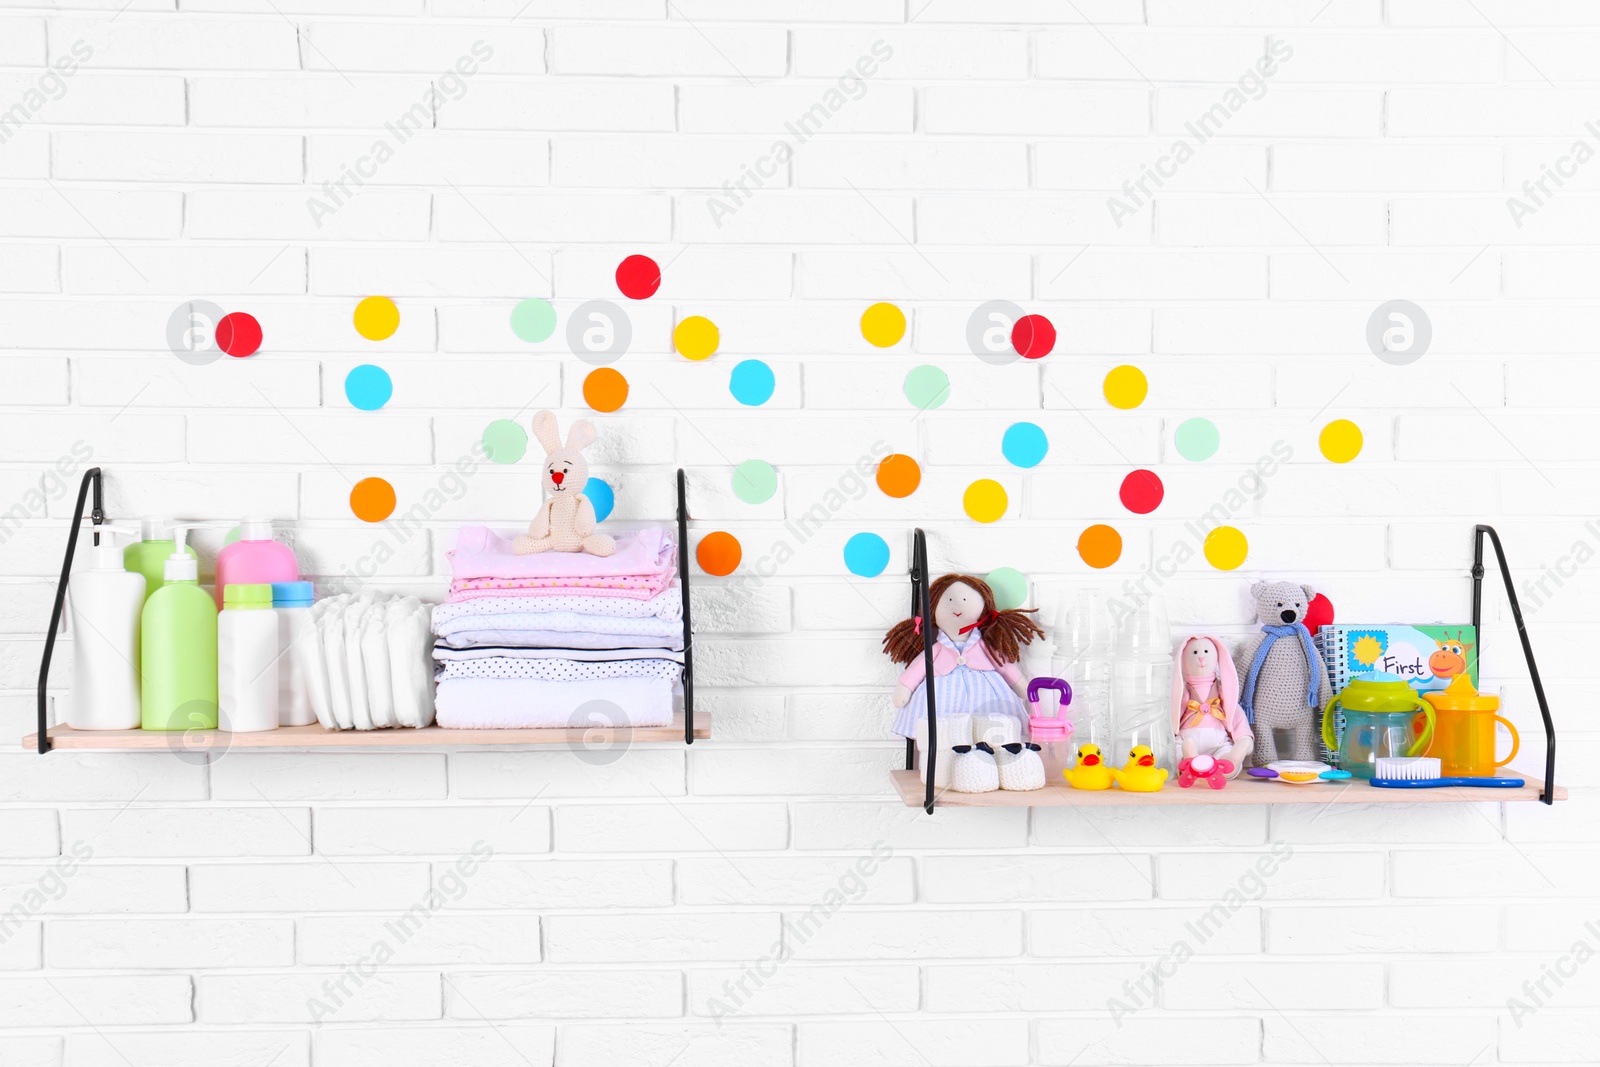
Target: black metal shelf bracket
x=922, y=610
x=91, y=477
x=1478, y=533
x=688, y=626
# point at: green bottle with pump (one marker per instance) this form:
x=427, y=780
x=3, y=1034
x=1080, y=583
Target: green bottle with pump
x=148, y=556
x=178, y=648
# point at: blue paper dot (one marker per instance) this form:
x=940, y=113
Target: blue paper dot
x=1024, y=444
x=752, y=383
x=368, y=387
x=866, y=554
x=600, y=495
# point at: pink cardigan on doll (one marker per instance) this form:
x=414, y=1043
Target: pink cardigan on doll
x=976, y=655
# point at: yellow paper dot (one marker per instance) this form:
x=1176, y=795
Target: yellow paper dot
x=696, y=337
x=1126, y=387
x=1340, y=441
x=883, y=325
x=1226, y=548
x=985, y=500
x=377, y=318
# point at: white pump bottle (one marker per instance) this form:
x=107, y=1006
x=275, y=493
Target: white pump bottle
x=106, y=601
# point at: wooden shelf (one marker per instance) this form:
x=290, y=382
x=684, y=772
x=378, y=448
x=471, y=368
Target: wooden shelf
x=315, y=736
x=1242, y=790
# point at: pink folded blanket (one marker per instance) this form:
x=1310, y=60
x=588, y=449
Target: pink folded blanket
x=481, y=553
x=630, y=586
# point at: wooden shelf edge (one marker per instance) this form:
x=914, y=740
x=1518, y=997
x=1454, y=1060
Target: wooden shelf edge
x=1238, y=791
x=315, y=736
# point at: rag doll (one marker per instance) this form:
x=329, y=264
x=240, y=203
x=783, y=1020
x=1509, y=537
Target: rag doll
x=1206, y=717
x=1283, y=682
x=975, y=655
x=565, y=521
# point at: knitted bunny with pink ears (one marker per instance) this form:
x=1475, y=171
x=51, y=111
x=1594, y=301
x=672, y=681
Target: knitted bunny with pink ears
x=1206, y=716
x=565, y=521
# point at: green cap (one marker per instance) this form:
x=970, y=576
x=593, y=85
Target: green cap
x=247, y=596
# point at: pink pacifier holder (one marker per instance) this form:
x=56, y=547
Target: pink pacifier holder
x=1050, y=732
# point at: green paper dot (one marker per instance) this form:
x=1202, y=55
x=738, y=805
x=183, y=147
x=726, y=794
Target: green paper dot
x=754, y=481
x=927, y=386
x=1197, y=439
x=504, y=441
x=533, y=320
x=1010, y=587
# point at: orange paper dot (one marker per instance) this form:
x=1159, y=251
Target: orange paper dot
x=719, y=553
x=372, y=500
x=899, y=475
x=1100, y=546
x=605, y=389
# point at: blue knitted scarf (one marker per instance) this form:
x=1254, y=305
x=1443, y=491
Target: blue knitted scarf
x=1247, y=698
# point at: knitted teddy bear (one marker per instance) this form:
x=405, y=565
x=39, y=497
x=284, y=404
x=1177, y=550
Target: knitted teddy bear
x=1283, y=682
x=565, y=521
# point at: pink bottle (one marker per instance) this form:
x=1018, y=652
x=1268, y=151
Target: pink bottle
x=255, y=559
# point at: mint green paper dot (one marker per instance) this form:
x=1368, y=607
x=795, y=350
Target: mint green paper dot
x=1010, y=587
x=1197, y=439
x=533, y=320
x=927, y=386
x=504, y=441
x=754, y=481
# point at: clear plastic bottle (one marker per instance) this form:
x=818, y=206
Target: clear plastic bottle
x=1084, y=648
x=1141, y=695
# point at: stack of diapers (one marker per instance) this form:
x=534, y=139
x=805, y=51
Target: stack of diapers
x=367, y=662
x=527, y=641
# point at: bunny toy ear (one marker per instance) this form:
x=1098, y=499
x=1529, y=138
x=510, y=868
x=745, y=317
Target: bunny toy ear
x=544, y=428
x=581, y=435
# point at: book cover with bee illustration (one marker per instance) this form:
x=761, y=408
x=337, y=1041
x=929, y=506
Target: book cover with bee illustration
x=1427, y=656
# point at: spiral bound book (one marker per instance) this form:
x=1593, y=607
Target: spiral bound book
x=1426, y=655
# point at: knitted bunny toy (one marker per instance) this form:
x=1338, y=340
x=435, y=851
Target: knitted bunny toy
x=565, y=521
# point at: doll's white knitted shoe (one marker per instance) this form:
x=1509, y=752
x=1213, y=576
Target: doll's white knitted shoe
x=973, y=769
x=1020, y=766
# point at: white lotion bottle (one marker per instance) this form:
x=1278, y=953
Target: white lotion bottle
x=291, y=601
x=106, y=601
x=247, y=660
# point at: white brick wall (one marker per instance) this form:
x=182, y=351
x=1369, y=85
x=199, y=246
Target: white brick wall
x=533, y=909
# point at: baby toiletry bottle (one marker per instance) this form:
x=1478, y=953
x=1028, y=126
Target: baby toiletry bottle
x=247, y=660
x=106, y=601
x=178, y=648
x=291, y=601
x=255, y=559
x=148, y=555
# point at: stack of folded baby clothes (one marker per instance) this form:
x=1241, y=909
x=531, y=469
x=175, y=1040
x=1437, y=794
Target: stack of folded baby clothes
x=536, y=640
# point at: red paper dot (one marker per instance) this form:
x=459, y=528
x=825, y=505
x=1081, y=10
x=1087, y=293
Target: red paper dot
x=1142, y=492
x=638, y=277
x=1033, y=336
x=238, y=334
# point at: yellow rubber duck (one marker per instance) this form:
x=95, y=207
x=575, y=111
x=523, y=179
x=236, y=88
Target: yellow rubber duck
x=1091, y=771
x=1140, y=774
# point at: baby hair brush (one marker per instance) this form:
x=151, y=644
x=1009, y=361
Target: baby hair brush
x=1422, y=772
